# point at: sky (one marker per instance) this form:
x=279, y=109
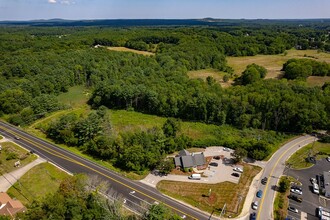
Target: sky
x=163, y=9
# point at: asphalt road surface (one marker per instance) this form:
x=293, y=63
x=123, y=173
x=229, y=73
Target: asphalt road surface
x=273, y=170
x=135, y=195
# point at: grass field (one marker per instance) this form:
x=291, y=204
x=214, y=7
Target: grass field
x=203, y=74
x=36, y=183
x=226, y=192
x=274, y=63
x=298, y=159
x=125, y=49
x=317, y=80
x=75, y=97
x=11, y=150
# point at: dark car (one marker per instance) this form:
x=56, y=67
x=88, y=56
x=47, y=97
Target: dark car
x=259, y=194
x=17, y=137
x=253, y=216
x=235, y=174
x=216, y=157
x=264, y=180
x=214, y=164
x=295, y=198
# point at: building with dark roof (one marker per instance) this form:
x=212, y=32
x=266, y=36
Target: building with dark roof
x=326, y=176
x=188, y=160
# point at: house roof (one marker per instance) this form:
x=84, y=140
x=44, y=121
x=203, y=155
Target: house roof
x=326, y=176
x=187, y=161
x=9, y=206
x=199, y=159
x=184, y=153
x=177, y=161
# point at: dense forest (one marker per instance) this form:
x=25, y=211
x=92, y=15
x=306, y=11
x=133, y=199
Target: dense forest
x=38, y=63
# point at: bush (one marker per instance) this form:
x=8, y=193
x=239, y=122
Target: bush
x=12, y=156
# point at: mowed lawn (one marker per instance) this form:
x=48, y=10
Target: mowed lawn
x=196, y=194
x=298, y=159
x=204, y=73
x=12, y=153
x=36, y=183
x=75, y=97
x=125, y=49
x=274, y=63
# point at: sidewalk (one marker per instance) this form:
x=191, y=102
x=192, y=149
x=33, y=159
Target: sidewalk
x=8, y=179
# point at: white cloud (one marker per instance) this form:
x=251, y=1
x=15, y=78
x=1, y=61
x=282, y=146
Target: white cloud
x=52, y=1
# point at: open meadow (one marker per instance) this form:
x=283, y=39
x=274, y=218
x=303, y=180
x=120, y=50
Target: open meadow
x=125, y=49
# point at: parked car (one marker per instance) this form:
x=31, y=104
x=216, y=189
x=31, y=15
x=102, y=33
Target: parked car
x=255, y=205
x=328, y=159
x=295, y=198
x=226, y=149
x=214, y=164
x=237, y=169
x=235, y=174
x=264, y=180
x=313, y=180
x=292, y=209
x=216, y=157
x=297, y=191
x=296, y=187
x=253, y=216
x=259, y=194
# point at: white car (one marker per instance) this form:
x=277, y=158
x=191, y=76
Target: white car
x=292, y=209
x=226, y=149
x=237, y=169
x=297, y=191
x=255, y=205
x=328, y=159
x=313, y=180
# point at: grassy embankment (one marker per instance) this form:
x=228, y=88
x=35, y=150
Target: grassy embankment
x=273, y=63
x=196, y=194
x=41, y=180
x=298, y=159
x=281, y=201
x=11, y=153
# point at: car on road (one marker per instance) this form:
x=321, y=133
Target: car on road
x=255, y=205
x=295, y=198
x=226, y=149
x=297, y=191
x=264, y=180
x=293, y=209
x=235, y=174
x=237, y=169
x=214, y=164
x=259, y=194
x=17, y=138
x=253, y=216
x=328, y=159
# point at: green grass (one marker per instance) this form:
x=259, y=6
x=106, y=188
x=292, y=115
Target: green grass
x=298, y=159
x=75, y=97
x=1, y=137
x=36, y=183
x=281, y=201
x=226, y=192
x=204, y=73
x=9, y=148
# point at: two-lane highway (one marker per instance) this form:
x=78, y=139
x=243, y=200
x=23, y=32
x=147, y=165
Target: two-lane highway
x=131, y=191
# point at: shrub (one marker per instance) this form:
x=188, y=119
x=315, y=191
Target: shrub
x=11, y=156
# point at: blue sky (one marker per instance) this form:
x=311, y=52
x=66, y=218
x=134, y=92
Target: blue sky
x=112, y=9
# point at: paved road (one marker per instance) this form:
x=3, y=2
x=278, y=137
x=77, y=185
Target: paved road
x=273, y=170
x=134, y=193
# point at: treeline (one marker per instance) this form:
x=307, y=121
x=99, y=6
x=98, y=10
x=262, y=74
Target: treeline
x=303, y=68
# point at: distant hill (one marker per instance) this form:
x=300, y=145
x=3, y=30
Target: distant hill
x=166, y=22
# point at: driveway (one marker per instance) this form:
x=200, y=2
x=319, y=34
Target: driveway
x=311, y=201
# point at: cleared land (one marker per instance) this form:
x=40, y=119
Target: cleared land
x=196, y=194
x=298, y=159
x=317, y=80
x=216, y=74
x=76, y=96
x=36, y=183
x=11, y=153
x=125, y=49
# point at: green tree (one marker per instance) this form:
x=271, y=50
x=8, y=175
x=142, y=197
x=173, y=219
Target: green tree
x=171, y=127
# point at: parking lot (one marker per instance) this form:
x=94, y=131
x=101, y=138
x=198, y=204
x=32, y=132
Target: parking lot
x=311, y=201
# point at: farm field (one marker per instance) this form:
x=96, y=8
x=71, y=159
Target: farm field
x=216, y=74
x=125, y=49
x=274, y=63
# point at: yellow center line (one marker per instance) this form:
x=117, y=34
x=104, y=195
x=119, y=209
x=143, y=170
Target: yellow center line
x=60, y=155
x=271, y=174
